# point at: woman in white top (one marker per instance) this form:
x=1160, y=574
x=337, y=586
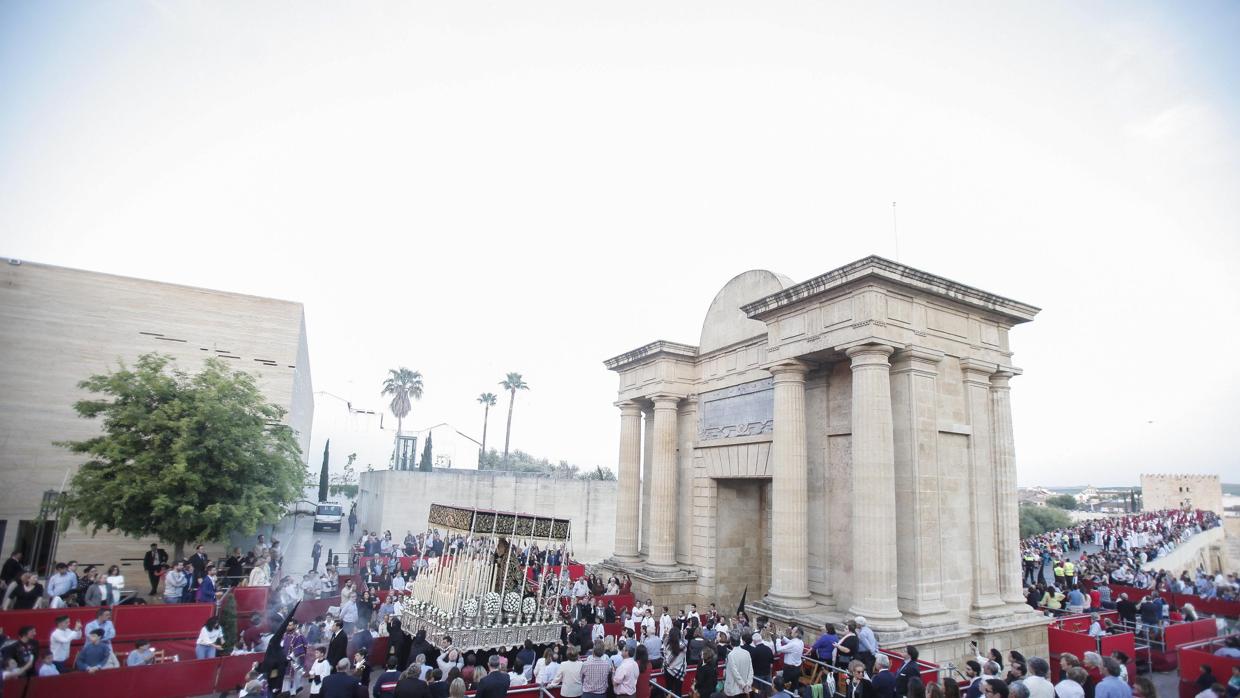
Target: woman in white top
x=210, y=639
x=117, y=580
x=258, y=575
x=550, y=671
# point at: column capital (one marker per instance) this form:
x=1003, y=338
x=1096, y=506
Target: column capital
x=663, y=401
x=628, y=408
x=999, y=379
x=916, y=358
x=869, y=355
x=976, y=370
x=789, y=369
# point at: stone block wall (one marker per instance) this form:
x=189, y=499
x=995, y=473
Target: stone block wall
x=400, y=501
x=1175, y=491
x=58, y=326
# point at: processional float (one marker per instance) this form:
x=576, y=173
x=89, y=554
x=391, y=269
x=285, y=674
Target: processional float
x=489, y=591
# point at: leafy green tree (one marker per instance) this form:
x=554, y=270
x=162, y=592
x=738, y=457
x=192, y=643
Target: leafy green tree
x=521, y=462
x=228, y=622
x=599, y=473
x=185, y=457
x=426, y=465
x=345, y=482
x=512, y=383
x=404, y=386
x=487, y=400
x=1062, y=501
x=1035, y=520
x=323, y=472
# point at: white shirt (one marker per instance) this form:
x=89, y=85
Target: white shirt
x=118, y=583
x=665, y=624
x=648, y=626
x=792, y=650
x=549, y=673
x=569, y=679
x=737, y=673
x=1039, y=687
x=322, y=670
x=209, y=637
x=61, y=638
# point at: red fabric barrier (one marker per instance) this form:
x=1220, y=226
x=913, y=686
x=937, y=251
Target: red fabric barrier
x=1179, y=634
x=1216, y=607
x=1124, y=642
x=159, y=623
x=1226, y=609
x=250, y=600
x=406, y=563
x=44, y=620
x=1060, y=641
x=929, y=672
x=622, y=601
x=174, y=679
x=309, y=610
x=1191, y=661
x=233, y=670
x=379, y=653
x=164, y=621
x=575, y=571
x=168, y=680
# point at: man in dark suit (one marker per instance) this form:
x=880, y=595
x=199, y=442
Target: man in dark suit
x=154, y=562
x=884, y=681
x=198, y=561
x=494, y=684
x=341, y=684
x=338, y=646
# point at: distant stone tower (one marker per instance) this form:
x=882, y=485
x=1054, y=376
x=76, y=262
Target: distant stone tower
x=1182, y=492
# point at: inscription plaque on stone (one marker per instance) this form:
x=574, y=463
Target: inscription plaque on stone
x=747, y=409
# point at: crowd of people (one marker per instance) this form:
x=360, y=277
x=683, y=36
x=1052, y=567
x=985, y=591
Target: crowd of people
x=332, y=655
x=1072, y=569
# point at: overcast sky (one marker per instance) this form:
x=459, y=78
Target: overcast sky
x=470, y=188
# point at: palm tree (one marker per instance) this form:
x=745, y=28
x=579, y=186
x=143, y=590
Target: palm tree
x=512, y=383
x=404, y=386
x=487, y=400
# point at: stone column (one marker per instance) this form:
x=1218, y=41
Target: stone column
x=986, y=603
x=686, y=434
x=873, y=486
x=919, y=538
x=790, y=483
x=1011, y=588
x=663, y=483
x=647, y=477
x=629, y=489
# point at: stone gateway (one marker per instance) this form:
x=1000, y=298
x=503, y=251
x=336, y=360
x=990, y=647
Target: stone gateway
x=839, y=447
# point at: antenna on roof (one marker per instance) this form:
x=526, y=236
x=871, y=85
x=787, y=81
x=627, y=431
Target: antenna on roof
x=895, y=232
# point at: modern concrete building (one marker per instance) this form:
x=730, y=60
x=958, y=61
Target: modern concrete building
x=58, y=326
x=1159, y=492
x=839, y=447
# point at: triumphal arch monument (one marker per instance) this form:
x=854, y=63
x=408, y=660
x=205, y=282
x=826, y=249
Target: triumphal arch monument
x=836, y=447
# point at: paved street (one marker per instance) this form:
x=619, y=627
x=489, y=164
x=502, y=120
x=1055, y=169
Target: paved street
x=297, y=539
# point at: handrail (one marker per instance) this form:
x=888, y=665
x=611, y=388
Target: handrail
x=659, y=686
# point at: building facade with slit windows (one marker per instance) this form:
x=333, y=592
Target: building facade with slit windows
x=59, y=326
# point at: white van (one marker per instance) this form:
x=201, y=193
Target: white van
x=328, y=515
